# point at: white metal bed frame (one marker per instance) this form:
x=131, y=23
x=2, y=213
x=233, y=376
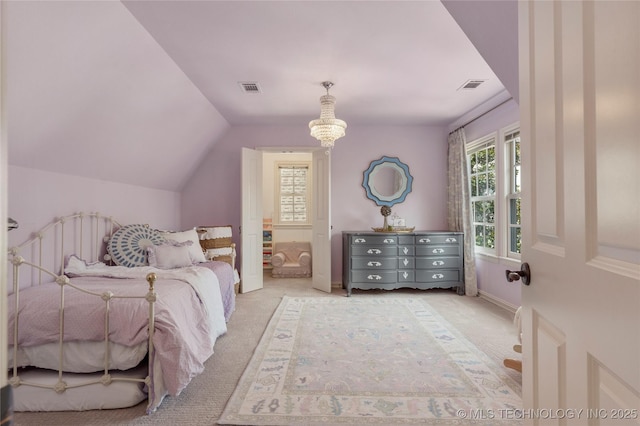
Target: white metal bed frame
x=100, y=229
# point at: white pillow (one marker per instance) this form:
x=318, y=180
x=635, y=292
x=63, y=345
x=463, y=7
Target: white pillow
x=191, y=235
x=74, y=264
x=170, y=256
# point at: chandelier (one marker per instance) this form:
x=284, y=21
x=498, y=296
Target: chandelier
x=327, y=128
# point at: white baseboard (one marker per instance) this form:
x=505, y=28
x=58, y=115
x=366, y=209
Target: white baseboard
x=497, y=301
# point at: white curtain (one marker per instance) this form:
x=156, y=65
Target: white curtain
x=459, y=206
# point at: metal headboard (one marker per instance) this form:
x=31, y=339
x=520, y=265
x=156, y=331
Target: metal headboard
x=83, y=234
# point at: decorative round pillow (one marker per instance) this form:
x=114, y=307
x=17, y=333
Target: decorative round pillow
x=128, y=245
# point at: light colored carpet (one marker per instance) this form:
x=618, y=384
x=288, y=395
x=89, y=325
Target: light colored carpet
x=373, y=360
x=487, y=326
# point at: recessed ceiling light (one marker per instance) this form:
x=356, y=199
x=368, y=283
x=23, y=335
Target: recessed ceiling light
x=471, y=84
x=250, y=86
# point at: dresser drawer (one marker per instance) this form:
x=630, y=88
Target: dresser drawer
x=406, y=250
x=428, y=250
x=383, y=277
x=425, y=276
x=406, y=262
x=438, y=239
x=374, y=239
x=377, y=251
x=438, y=263
x=375, y=263
x=407, y=276
x=405, y=239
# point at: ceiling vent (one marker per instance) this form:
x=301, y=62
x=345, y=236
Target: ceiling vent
x=250, y=87
x=471, y=84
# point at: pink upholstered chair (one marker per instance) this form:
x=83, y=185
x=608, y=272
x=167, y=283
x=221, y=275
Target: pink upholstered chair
x=291, y=260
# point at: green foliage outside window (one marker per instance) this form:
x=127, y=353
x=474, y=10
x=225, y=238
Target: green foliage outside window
x=484, y=170
x=482, y=174
x=515, y=232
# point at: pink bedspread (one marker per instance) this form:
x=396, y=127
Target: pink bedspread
x=182, y=338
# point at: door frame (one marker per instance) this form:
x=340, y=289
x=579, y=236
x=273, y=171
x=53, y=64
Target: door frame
x=321, y=242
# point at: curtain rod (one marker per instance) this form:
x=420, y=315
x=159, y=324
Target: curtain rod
x=481, y=115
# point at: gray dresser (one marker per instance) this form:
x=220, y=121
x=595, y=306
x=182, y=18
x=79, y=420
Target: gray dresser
x=422, y=260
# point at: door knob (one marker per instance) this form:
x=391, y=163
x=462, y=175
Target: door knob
x=524, y=273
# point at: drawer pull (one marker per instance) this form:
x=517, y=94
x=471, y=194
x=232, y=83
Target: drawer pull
x=438, y=263
x=374, y=277
x=451, y=240
x=424, y=240
x=359, y=240
x=405, y=250
x=388, y=241
x=437, y=276
x=405, y=261
x=438, y=251
x=374, y=251
x=405, y=275
x=374, y=264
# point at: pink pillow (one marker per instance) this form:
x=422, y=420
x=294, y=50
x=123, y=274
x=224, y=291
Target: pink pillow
x=191, y=235
x=170, y=255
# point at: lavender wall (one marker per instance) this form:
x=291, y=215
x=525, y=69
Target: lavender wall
x=423, y=149
x=212, y=195
x=36, y=198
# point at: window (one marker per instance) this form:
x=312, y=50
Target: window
x=293, y=194
x=482, y=176
x=495, y=184
x=514, y=244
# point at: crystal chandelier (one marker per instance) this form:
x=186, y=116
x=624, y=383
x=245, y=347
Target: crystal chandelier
x=327, y=128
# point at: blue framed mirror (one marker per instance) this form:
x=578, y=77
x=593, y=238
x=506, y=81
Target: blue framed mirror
x=387, y=181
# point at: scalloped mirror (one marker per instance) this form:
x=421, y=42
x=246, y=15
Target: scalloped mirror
x=387, y=182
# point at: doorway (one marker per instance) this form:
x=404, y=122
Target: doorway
x=253, y=213
x=287, y=188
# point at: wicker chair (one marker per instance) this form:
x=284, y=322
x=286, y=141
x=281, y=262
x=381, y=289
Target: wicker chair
x=216, y=244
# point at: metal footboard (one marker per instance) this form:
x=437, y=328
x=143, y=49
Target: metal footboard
x=89, y=230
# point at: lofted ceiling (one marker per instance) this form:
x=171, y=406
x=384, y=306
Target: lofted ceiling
x=93, y=87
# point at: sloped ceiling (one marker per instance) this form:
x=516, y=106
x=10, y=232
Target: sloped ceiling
x=493, y=28
x=392, y=62
x=91, y=93
x=136, y=91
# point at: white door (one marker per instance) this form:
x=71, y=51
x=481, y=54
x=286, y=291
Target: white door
x=251, y=232
x=321, y=221
x=580, y=127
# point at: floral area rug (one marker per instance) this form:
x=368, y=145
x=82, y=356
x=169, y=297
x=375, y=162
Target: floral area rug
x=380, y=360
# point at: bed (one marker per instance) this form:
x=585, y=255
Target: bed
x=104, y=315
